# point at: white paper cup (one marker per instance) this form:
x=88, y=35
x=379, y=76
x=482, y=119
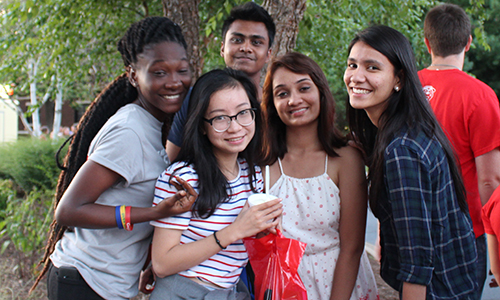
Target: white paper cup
x=257, y=199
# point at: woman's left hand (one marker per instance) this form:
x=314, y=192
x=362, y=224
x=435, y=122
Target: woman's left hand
x=181, y=202
x=258, y=218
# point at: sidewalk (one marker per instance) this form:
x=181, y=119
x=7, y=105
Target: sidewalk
x=371, y=236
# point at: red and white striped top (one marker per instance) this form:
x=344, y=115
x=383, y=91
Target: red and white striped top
x=224, y=268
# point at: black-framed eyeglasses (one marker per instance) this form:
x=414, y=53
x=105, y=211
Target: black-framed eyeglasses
x=222, y=123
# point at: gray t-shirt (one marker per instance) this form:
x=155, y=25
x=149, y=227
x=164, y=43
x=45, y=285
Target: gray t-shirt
x=110, y=260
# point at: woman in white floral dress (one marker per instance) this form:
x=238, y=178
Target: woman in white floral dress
x=316, y=174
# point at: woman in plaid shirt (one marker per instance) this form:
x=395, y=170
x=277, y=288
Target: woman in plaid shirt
x=416, y=190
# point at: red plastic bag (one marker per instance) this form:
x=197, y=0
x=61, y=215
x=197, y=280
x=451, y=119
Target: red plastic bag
x=275, y=260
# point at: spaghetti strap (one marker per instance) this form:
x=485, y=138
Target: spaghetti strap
x=312, y=209
x=326, y=164
x=281, y=167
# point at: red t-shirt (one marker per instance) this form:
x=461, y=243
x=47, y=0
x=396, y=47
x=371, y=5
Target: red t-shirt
x=491, y=214
x=469, y=113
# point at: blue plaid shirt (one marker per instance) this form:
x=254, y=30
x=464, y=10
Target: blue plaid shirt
x=426, y=239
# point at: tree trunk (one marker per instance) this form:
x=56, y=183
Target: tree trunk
x=35, y=116
x=58, y=109
x=287, y=15
x=185, y=13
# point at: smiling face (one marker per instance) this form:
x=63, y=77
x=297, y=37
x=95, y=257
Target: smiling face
x=370, y=80
x=296, y=98
x=246, y=47
x=162, y=76
x=229, y=101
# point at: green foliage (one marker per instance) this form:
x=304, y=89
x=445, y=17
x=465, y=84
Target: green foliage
x=30, y=163
x=29, y=175
x=72, y=39
x=329, y=26
x=212, y=14
x=483, y=59
x=6, y=193
x=25, y=221
x=77, y=39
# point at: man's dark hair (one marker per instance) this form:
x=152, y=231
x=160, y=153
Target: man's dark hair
x=250, y=11
x=447, y=27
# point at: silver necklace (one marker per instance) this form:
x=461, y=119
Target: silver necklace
x=444, y=65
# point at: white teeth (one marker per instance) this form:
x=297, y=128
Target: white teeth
x=171, y=97
x=360, y=91
x=299, y=110
x=235, y=139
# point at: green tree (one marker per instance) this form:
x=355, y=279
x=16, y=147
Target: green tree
x=483, y=59
x=73, y=43
x=70, y=44
x=329, y=26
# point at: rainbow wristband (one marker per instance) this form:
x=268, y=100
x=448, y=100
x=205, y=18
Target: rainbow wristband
x=122, y=215
x=118, y=218
x=128, y=225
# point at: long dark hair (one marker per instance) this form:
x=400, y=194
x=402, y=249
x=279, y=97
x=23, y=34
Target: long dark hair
x=196, y=147
x=120, y=92
x=406, y=108
x=275, y=130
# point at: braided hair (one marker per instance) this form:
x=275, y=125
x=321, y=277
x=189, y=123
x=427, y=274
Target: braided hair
x=120, y=92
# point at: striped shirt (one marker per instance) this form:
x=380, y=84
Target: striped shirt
x=426, y=239
x=224, y=268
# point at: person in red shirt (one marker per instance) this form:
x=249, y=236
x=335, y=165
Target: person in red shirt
x=491, y=221
x=467, y=109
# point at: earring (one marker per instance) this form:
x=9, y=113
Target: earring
x=131, y=70
x=396, y=88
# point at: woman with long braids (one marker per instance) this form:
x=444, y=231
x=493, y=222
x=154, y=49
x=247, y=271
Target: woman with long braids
x=101, y=235
x=416, y=190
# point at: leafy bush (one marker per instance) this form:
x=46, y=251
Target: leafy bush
x=30, y=163
x=25, y=221
x=28, y=176
x=6, y=192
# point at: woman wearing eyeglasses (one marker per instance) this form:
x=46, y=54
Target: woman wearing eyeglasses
x=200, y=252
